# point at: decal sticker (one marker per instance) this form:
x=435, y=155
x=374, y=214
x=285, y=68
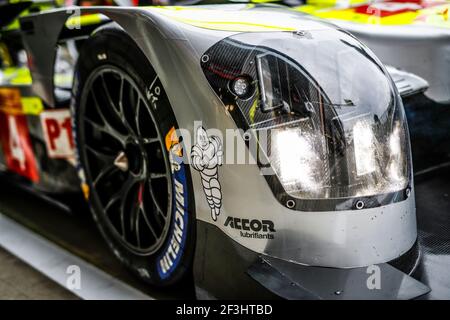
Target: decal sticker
x=57, y=128
x=207, y=156
x=16, y=144
x=257, y=229
x=32, y=105
x=170, y=257
x=12, y=102
x=85, y=190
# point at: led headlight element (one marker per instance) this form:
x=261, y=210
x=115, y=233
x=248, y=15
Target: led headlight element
x=396, y=168
x=364, y=144
x=296, y=160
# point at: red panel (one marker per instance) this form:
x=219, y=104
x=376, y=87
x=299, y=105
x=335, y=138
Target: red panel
x=16, y=144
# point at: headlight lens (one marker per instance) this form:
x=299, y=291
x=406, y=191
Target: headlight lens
x=296, y=157
x=336, y=124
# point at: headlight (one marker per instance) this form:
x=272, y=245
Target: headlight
x=297, y=160
x=336, y=125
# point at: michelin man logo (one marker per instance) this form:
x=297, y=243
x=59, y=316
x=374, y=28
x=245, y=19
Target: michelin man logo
x=207, y=156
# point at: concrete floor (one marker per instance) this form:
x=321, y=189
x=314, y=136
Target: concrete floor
x=19, y=281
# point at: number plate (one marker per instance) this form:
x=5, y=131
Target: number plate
x=57, y=128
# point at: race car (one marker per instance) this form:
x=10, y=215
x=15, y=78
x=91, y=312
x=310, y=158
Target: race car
x=413, y=35
x=261, y=150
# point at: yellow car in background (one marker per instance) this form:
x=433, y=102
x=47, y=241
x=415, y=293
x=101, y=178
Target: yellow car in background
x=412, y=35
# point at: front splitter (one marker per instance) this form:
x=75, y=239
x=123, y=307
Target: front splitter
x=293, y=281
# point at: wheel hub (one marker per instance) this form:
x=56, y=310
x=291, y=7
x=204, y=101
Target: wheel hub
x=121, y=161
x=135, y=157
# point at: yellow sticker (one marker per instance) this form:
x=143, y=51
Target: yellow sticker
x=85, y=189
x=11, y=102
x=32, y=105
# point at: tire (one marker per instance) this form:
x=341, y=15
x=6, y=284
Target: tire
x=138, y=188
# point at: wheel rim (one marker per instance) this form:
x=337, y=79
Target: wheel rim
x=125, y=162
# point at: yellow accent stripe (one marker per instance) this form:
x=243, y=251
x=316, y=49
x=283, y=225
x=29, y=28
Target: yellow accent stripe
x=84, y=20
x=252, y=111
x=243, y=21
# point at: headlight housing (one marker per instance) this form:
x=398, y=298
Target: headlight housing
x=335, y=122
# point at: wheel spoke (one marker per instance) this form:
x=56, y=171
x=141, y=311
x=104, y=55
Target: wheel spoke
x=95, y=125
x=101, y=129
x=136, y=227
x=102, y=156
x=113, y=105
x=147, y=223
x=122, y=108
x=111, y=201
x=122, y=83
x=150, y=135
x=134, y=215
x=117, y=197
x=107, y=126
x=105, y=172
x=126, y=193
x=116, y=106
x=155, y=202
x=150, y=140
x=136, y=116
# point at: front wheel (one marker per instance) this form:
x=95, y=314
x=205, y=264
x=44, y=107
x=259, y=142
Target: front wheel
x=140, y=191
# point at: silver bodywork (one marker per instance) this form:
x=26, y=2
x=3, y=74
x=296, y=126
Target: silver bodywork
x=408, y=84
x=341, y=239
